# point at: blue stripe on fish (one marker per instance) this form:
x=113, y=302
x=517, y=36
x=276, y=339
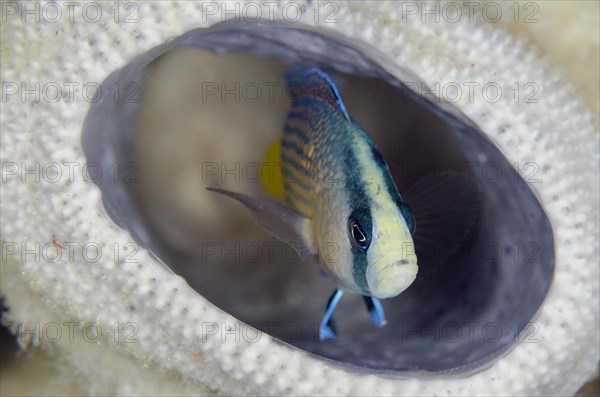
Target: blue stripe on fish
x=289, y=163
x=298, y=183
x=299, y=116
x=295, y=131
x=298, y=189
x=294, y=147
x=292, y=152
x=311, y=116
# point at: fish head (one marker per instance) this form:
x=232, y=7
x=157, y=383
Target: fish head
x=383, y=250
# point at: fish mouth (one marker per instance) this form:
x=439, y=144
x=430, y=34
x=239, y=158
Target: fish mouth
x=391, y=279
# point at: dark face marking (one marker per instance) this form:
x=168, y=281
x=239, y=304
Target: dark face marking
x=360, y=223
x=408, y=217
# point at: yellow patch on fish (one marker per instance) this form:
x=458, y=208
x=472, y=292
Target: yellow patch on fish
x=271, y=176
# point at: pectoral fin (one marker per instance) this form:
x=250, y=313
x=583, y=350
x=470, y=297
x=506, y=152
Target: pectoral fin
x=445, y=210
x=277, y=220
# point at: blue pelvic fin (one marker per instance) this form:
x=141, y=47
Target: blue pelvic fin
x=375, y=310
x=327, y=328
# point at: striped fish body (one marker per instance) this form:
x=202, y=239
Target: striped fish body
x=341, y=202
x=335, y=177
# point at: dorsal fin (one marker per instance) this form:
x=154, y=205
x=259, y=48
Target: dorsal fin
x=315, y=84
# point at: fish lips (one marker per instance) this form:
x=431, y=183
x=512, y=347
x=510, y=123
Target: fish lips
x=387, y=279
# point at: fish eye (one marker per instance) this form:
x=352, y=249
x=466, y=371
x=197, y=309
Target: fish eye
x=408, y=217
x=359, y=228
x=358, y=235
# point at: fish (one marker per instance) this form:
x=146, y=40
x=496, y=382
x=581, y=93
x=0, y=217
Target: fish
x=337, y=192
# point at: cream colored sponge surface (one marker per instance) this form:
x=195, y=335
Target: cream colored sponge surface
x=138, y=328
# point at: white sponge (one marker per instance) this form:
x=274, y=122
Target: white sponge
x=140, y=329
